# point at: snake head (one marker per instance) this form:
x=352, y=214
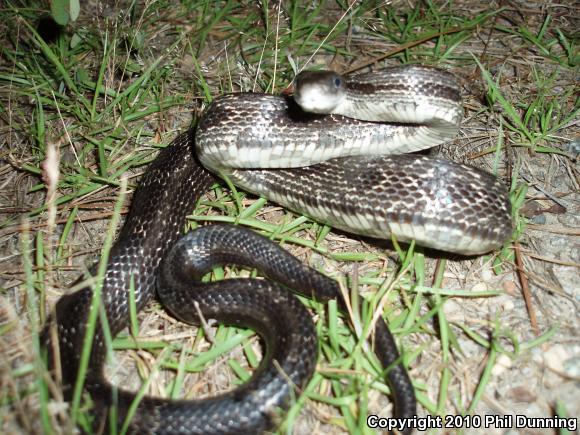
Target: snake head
x=319, y=91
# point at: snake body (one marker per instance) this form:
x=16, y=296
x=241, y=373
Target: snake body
x=350, y=184
x=328, y=191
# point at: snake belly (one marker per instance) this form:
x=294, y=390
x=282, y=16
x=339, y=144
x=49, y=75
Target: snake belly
x=169, y=190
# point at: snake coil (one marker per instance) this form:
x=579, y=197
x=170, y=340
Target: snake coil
x=440, y=204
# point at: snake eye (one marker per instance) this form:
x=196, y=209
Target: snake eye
x=337, y=82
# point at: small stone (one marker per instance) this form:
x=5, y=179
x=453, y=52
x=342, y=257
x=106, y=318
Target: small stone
x=486, y=274
x=555, y=357
x=502, y=363
x=480, y=287
x=508, y=304
x=510, y=287
x=537, y=355
x=522, y=394
x=453, y=310
x=572, y=367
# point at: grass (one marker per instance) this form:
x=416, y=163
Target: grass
x=109, y=93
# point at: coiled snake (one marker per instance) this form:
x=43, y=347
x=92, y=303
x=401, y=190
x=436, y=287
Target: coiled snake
x=438, y=203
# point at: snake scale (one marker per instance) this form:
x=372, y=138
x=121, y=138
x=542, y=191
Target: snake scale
x=440, y=204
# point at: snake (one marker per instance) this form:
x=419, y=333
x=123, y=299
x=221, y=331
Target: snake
x=336, y=152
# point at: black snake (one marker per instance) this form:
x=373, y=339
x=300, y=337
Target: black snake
x=438, y=203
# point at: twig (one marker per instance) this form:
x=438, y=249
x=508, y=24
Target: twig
x=93, y=216
x=555, y=229
x=544, y=191
x=404, y=47
x=526, y=288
